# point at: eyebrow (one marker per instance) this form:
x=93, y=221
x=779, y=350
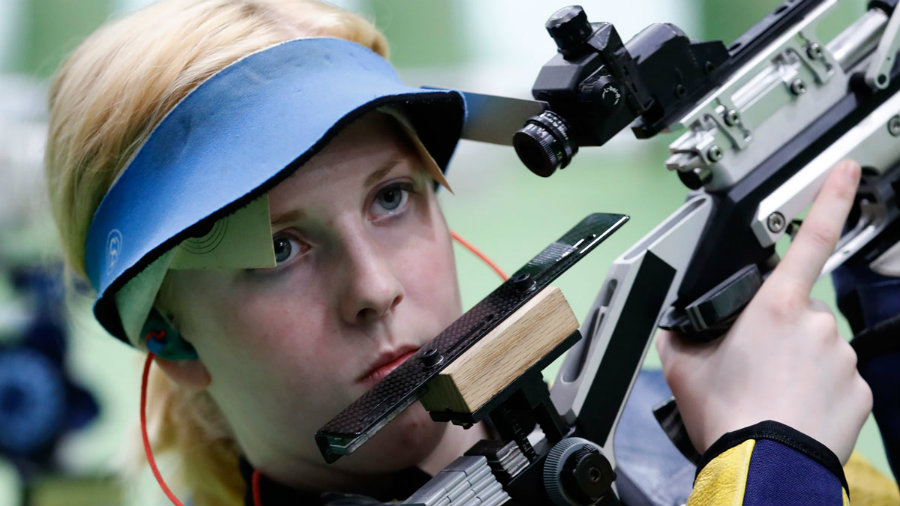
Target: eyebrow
x=295, y=215
x=379, y=174
x=292, y=216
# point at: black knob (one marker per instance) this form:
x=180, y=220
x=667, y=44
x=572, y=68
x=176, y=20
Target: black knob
x=569, y=27
x=543, y=144
x=604, y=93
x=587, y=475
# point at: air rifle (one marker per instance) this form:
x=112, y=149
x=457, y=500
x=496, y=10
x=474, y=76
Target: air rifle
x=763, y=121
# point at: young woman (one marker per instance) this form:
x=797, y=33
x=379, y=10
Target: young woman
x=254, y=203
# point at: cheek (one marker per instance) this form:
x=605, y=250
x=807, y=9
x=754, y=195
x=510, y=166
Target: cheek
x=429, y=271
x=275, y=360
x=272, y=336
x=434, y=270
x=267, y=326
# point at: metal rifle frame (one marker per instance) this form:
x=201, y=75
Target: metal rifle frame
x=764, y=122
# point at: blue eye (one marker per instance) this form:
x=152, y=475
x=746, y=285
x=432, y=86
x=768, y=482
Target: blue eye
x=390, y=199
x=285, y=248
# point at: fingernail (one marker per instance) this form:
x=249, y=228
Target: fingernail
x=851, y=169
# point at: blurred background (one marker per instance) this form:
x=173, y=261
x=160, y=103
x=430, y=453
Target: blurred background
x=69, y=393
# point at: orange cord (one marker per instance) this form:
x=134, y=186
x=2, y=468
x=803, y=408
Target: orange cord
x=147, y=450
x=257, y=501
x=479, y=254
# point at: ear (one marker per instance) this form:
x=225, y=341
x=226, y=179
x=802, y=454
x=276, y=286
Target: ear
x=163, y=339
x=173, y=354
x=190, y=374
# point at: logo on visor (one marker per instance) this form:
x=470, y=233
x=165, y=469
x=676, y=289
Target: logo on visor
x=113, y=248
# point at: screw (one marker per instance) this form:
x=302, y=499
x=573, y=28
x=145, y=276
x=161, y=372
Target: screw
x=523, y=282
x=714, y=153
x=431, y=357
x=814, y=51
x=798, y=87
x=894, y=125
x=696, y=177
x=776, y=222
x=732, y=117
x=680, y=90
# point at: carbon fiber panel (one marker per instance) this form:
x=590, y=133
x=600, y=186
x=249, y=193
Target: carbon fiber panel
x=362, y=419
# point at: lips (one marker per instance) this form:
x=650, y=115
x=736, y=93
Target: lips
x=386, y=363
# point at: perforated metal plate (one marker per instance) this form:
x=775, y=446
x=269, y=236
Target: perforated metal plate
x=399, y=389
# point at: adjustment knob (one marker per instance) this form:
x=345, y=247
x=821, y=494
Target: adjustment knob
x=543, y=144
x=569, y=27
x=587, y=475
x=576, y=473
x=604, y=93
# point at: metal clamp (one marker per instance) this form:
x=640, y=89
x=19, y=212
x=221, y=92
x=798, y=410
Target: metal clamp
x=878, y=73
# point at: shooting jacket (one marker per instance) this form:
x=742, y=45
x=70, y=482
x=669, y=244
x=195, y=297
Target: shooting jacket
x=769, y=463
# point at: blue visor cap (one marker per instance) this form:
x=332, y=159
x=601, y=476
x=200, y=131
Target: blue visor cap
x=236, y=136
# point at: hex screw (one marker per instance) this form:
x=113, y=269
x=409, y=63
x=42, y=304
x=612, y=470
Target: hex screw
x=894, y=125
x=431, y=357
x=814, y=51
x=776, y=222
x=732, y=117
x=523, y=282
x=798, y=87
x=714, y=153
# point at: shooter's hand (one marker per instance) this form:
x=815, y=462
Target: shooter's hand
x=783, y=359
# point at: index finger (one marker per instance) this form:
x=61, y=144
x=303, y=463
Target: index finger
x=821, y=230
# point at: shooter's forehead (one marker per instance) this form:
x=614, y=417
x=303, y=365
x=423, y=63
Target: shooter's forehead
x=364, y=153
x=363, y=143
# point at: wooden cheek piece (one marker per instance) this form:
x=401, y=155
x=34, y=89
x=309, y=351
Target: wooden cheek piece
x=503, y=355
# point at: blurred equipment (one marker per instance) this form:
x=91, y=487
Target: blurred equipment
x=39, y=401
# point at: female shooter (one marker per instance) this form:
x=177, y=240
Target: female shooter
x=250, y=190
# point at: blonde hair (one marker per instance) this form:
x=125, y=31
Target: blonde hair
x=104, y=102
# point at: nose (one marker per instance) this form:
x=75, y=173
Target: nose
x=371, y=288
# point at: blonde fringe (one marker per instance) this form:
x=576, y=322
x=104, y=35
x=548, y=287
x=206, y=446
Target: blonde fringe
x=104, y=102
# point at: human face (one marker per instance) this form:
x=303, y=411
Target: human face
x=366, y=276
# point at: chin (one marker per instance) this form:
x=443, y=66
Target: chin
x=406, y=441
